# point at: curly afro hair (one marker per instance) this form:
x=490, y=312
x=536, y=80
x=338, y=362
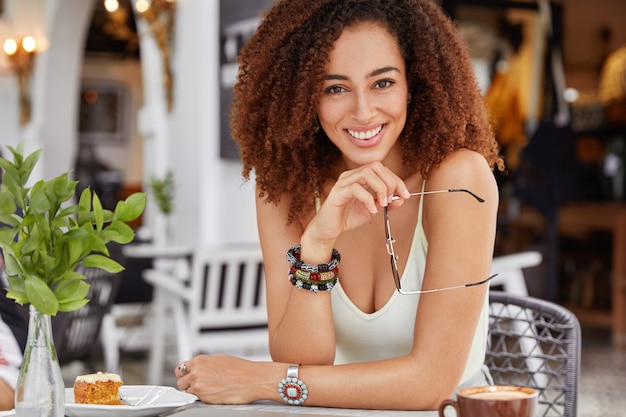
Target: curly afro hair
x=281, y=69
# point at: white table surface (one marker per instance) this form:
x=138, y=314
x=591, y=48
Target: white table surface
x=270, y=409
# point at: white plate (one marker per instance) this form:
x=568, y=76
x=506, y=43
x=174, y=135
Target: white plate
x=142, y=400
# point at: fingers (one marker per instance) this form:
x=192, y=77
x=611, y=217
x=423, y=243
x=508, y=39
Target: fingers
x=374, y=185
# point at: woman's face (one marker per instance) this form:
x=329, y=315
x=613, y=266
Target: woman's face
x=365, y=94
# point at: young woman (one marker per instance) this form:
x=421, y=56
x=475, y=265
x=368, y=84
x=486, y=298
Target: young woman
x=343, y=109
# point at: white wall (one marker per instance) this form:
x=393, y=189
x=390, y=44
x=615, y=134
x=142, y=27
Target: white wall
x=224, y=208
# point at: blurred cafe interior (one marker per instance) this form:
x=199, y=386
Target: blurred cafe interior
x=134, y=94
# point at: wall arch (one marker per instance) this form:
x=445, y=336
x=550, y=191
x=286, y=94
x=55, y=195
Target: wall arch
x=56, y=83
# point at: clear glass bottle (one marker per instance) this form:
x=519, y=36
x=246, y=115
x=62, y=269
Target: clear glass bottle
x=40, y=390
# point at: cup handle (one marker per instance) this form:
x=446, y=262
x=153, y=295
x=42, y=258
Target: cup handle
x=450, y=403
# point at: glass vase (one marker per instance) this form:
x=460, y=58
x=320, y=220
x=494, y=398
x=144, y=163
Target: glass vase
x=40, y=390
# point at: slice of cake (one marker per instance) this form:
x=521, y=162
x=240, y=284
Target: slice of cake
x=100, y=388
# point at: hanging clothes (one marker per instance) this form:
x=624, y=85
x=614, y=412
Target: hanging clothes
x=508, y=97
x=612, y=87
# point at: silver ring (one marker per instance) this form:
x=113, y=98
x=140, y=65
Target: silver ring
x=182, y=368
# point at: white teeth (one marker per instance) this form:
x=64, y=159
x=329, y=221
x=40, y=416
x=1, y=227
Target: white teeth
x=365, y=135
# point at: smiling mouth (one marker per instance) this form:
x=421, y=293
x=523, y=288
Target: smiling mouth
x=365, y=134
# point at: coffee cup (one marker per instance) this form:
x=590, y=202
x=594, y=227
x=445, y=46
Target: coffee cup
x=493, y=401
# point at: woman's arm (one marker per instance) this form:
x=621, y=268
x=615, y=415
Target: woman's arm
x=461, y=236
x=300, y=322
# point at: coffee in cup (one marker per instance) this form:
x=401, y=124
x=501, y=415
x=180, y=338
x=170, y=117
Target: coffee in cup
x=493, y=401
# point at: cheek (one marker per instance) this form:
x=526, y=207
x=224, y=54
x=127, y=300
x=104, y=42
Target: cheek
x=397, y=110
x=330, y=112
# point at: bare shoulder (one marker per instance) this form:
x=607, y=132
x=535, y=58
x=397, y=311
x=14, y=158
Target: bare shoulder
x=465, y=168
x=464, y=159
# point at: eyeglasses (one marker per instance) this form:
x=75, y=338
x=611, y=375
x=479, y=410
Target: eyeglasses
x=394, y=259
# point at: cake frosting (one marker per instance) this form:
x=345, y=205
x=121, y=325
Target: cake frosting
x=99, y=377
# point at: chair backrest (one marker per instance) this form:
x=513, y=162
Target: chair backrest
x=535, y=343
x=77, y=333
x=227, y=308
x=510, y=271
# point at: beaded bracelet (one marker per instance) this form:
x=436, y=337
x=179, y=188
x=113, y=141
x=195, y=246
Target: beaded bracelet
x=322, y=286
x=293, y=256
x=315, y=278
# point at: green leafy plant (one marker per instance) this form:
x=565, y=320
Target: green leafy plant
x=44, y=239
x=164, y=192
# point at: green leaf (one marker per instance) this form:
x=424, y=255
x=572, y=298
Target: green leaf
x=28, y=164
x=131, y=208
x=73, y=305
x=76, y=247
x=94, y=243
x=102, y=262
x=38, y=200
x=33, y=242
x=41, y=296
x=71, y=289
x=13, y=265
x=118, y=232
x=7, y=237
x=98, y=213
x=19, y=296
x=63, y=188
x=68, y=211
x=7, y=202
x=84, y=204
x=17, y=283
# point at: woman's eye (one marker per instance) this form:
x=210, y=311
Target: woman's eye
x=334, y=89
x=386, y=83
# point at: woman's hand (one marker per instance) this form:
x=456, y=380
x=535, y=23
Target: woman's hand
x=356, y=196
x=223, y=379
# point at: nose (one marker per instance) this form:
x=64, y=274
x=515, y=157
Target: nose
x=365, y=108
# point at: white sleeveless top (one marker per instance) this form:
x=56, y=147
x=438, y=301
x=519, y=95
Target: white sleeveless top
x=388, y=332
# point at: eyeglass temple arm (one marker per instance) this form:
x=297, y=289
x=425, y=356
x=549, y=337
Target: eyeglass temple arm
x=452, y=190
x=489, y=278
x=456, y=287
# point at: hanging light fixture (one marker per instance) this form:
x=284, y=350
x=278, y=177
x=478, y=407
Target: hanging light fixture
x=21, y=56
x=160, y=16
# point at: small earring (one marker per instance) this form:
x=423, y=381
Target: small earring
x=409, y=100
x=316, y=126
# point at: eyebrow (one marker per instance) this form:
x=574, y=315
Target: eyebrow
x=374, y=73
